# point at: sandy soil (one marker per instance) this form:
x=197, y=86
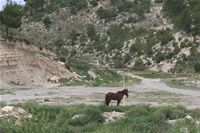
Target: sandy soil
x=150, y=91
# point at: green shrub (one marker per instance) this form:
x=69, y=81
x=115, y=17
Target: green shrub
x=72, y=35
x=10, y=37
x=36, y=18
x=73, y=53
x=164, y=36
x=137, y=46
x=107, y=14
x=138, y=111
x=46, y=21
x=139, y=65
x=158, y=1
x=73, y=11
x=63, y=59
x=126, y=58
x=90, y=115
x=159, y=57
x=94, y=2
x=79, y=64
x=197, y=67
x=91, y=31
x=130, y=20
x=67, y=66
x=118, y=35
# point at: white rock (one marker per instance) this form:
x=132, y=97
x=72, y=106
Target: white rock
x=7, y=109
x=21, y=111
x=188, y=117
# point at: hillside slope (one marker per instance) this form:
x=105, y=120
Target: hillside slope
x=19, y=67
x=136, y=34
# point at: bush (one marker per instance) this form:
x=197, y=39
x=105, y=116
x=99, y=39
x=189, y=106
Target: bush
x=137, y=46
x=94, y=2
x=36, y=18
x=90, y=115
x=63, y=59
x=138, y=111
x=164, y=36
x=130, y=20
x=46, y=21
x=159, y=57
x=127, y=57
x=106, y=14
x=73, y=11
x=72, y=35
x=158, y=1
x=139, y=65
x=197, y=67
x=91, y=31
x=79, y=64
x=67, y=66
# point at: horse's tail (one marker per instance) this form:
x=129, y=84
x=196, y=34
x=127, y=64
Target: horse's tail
x=107, y=99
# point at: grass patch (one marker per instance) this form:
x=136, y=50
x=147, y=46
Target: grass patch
x=141, y=118
x=181, y=84
x=5, y=92
x=39, y=52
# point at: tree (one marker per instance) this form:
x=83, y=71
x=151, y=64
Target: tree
x=174, y=7
x=91, y=31
x=11, y=16
x=36, y=4
x=59, y=43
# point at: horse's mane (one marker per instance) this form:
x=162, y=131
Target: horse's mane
x=122, y=91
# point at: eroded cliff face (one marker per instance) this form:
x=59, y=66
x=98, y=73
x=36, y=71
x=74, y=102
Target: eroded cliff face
x=19, y=67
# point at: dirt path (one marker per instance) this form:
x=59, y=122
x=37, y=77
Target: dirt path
x=150, y=91
x=157, y=84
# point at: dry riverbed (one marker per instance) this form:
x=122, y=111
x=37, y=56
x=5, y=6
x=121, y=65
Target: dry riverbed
x=149, y=91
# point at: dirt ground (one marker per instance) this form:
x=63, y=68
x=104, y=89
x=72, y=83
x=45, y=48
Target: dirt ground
x=151, y=91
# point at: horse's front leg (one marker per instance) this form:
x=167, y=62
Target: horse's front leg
x=118, y=101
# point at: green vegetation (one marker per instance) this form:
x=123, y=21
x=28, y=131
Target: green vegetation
x=118, y=35
x=159, y=57
x=36, y=18
x=46, y=21
x=11, y=16
x=138, y=6
x=130, y=20
x=111, y=78
x=181, y=84
x=164, y=36
x=107, y=14
x=139, y=65
x=39, y=52
x=180, y=12
x=59, y=43
x=91, y=31
x=140, y=118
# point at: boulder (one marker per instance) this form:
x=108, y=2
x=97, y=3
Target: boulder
x=7, y=109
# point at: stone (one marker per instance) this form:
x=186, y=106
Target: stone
x=7, y=109
x=21, y=111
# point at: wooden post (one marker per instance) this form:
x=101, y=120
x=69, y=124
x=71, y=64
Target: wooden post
x=90, y=81
x=123, y=81
x=124, y=87
x=128, y=78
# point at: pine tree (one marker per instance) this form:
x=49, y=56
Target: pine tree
x=11, y=16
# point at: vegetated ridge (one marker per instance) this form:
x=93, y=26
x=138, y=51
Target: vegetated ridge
x=156, y=35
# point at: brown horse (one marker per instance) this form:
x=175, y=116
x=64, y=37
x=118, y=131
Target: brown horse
x=115, y=96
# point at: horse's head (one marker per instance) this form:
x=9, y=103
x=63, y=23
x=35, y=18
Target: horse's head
x=125, y=92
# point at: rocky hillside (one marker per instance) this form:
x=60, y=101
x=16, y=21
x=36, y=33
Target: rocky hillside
x=19, y=65
x=140, y=34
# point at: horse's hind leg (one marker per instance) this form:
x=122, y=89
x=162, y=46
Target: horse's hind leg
x=118, y=101
x=108, y=102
